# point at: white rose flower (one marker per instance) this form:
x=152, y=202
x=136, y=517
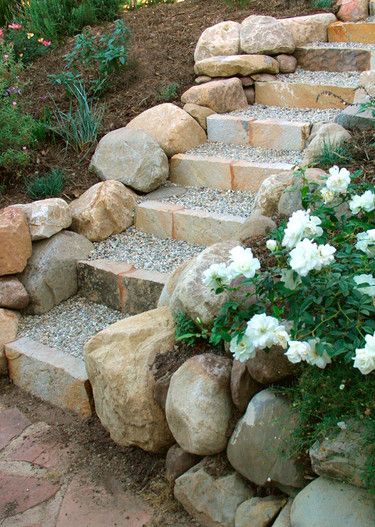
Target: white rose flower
x=364, y=358
x=214, y=275
x=301, y=225
x=326, y=257
x=338, y=180
x=297, y=351
x=314, y=359
x=304, y=257
x=271, y=245
x=327, y=195
x=366, y=242
x=365, y=201
x=365, y=279
x=243, y=262
x=264, y=332
x=242, y=350
x=290, y=281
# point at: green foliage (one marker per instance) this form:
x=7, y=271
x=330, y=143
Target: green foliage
x=130, y=5
x=168, y=93
x=48, y=186
x=95, y=57
x=8, y=8
x=80, y=125
x=333, y=155
x=323, y=4
x=238, y=3
x=189, y=330
x=27, y=46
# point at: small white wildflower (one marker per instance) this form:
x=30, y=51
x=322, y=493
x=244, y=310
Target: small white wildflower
x=342, y=387
x=364, y=358
x=365, y=279
x=342, y=425
x=265, y=331
x=364, y=202
x=243, y=263
x=338, y=180
x=242, y=349
x=366, y=242
x=271, y=245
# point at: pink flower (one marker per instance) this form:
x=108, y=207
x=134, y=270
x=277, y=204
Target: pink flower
x=1, y=33
x=46, y=43
x=15, y=26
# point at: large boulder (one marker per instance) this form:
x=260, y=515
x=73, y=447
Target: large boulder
x=258, y=512
x=8, y=332
x=211, y=495
x=132, y=157
x=220, y=39
x=119, y=361
x=258, y=446
x=13, y=295
x=228, y=66
x=343, y=457
x=329, y=135
x=270, y=366
x=221, y=96
x=200, y=113
x=104, y=209
x=352, y=10
x=328, y=503
x=46, y=217
x=265, y=35
x=185, y=292
x=242, y=385
x=51, y=273
x=15, y=241
x=199, y=405
x=309, y=28
x=177, y=462
x=173, y=128
x=255, y=226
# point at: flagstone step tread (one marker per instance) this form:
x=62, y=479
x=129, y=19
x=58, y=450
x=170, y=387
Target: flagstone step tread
x=310, y=115
x=340, y=45
x=336, y=58
x=323, y=78
x=361, y=32
x=170, y=220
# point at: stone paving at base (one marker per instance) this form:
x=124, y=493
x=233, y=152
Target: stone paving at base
x=39, y=488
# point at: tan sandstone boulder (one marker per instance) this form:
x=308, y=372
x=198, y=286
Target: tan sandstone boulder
x=15, y=241
x=228, y=66
x=352, y=10
x=220, y=39
x=200, y=113
x=46, y=217
x=119, y=361
x=104, y=209
x=329, y=135
x=309, y=28
x=221, y=96
x=265, y=35
x=8, y=332
x=174, y=129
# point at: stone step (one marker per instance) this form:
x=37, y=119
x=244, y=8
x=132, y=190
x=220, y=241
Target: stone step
x=213, y=171
x=195, y=226
x=50, y=375
x=304, y=94
x=273, y=134
x=320, y=57
x=120, y=285
x=362, y=32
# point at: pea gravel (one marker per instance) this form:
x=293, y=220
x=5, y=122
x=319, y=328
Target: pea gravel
x=341, y=45
x=69, y=325
x=246, y=153
x=260, y=111
x=347, y=79
x=145, y=251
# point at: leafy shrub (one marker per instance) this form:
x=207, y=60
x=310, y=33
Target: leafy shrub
x=323, y=4
x=333, y=155
x=27, y=46
x=137, y=4
x=48, y=186
x=8, y=8
x=168, y=93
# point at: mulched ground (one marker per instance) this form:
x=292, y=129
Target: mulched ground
x=162, y=46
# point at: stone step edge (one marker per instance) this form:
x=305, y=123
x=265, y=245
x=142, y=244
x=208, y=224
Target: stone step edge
x=272, y=133
x=222, y=173
x=360, y=32
x=50, y=374
x=302, y=95
x=196, y=226
x=120, y=285
x=333, y=59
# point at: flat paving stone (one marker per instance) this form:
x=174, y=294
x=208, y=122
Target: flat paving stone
x=12, y=423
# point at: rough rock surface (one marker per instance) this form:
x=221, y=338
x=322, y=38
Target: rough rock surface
x=258, y=512
x=46, y=217
x=175, y=130
x=309, y=28
x=104, y=209
x=367, y=80
x=200, y=113
x=185, y=291
x=283, y=519
x=51, y=273
x=287, y=63
x=178, y=462
x=352, y=10
x=132, y=157
x=228, y=66
x=256, y=225
x=328, y=503
x=8, y=332
x=330, y=134
x=119, y=361
x=220, y=39
x=199, y=405
x=221, y=96
x=15, y=241
x=343, y=457
x=269, y=366
x=13, y=295
x=242, y=386
x=211, y=499
x=266, y=35
x=250, y=95
x=258, y=444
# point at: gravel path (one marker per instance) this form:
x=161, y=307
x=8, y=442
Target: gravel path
x=69, y=325
x=145, y=251
x=341, y=45
x=347, y=79
x=208, y=199
x=246, y=153
x=260, y=111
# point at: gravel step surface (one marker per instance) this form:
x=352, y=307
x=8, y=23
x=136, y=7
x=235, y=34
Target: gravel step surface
x=145, y=251
x=341, y=45
x=260, y=111
x=210, y=200
x=246, y=153
x=69, y=325
x=347, y=79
